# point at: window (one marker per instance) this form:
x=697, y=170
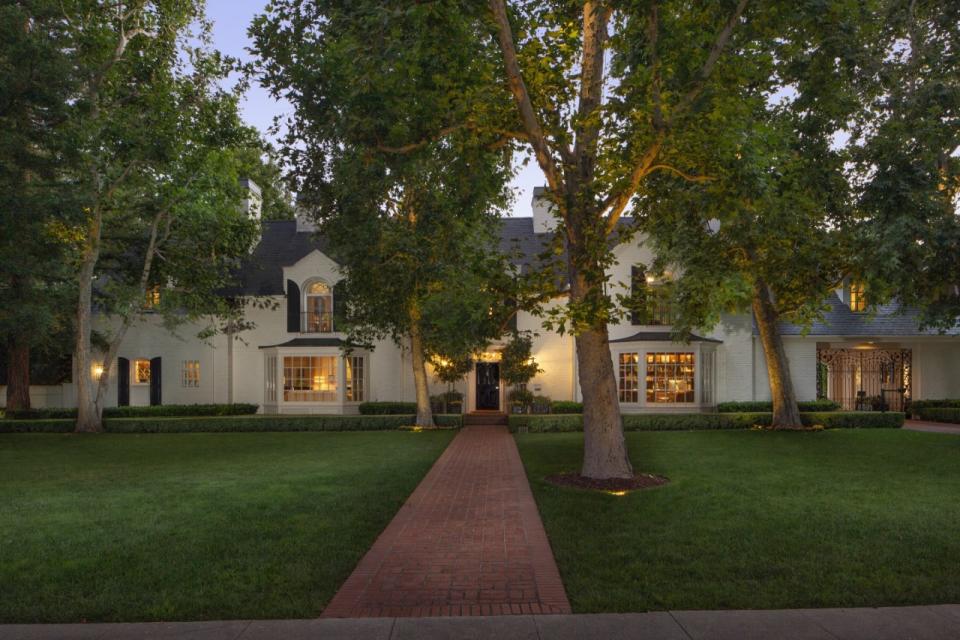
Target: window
x=354, y=389
x=858, y=298
x=707, y=366
x=310, y=378
x=190, y=374
x=670, y=377
x=652, y=303
x=152, y=298
x=629, y=385
x=318, y=317
x=141, y=372
x=271, y=380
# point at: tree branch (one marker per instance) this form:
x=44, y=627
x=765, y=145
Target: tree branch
x=674, y=170
x=528, y=116
x=721, y=42
x=595, y=19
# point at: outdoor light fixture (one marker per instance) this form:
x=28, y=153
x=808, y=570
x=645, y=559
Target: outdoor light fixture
x=97, y=371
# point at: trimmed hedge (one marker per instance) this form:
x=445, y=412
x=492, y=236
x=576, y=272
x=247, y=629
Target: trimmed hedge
x=949, y=403
x=157, y=411
x=218, y=424
x=708, y=421
x=938, y=414
x=767, y=407
x=566, y=406
x=388, y=408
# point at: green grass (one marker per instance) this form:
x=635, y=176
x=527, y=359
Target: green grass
x=759, y=520
x=194, y=526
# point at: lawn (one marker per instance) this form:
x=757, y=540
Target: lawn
x=759, y=520
x=194, y=526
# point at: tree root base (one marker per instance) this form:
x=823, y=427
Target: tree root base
x=618, y=486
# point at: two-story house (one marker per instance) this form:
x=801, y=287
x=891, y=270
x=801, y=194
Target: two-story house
x=293, y=360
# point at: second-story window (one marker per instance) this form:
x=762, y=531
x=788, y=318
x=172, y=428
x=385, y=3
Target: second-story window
x=318, y=317
x=858, y=298
x=652, y=299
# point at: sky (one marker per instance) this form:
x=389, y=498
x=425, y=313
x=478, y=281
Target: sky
x=230, y=21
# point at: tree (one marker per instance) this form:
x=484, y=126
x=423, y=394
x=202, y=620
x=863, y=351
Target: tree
x=518, y=366
x=769, y=234
x=906, y=148
x=410, y=215
x=34, y=268
x=156, y=168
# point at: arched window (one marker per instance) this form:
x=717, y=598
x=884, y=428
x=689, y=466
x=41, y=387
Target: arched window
x=319, y=307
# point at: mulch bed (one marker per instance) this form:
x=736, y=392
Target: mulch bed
x=639, y=481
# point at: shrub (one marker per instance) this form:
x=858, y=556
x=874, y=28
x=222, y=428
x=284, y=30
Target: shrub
x=520, y=396
x=454, y=420
x=566, y=406
x=707, y=421
x=388, y=408
x=916, y=405
x=216, y=424
x=766, y=407
x=162, y=410
x=938, y=414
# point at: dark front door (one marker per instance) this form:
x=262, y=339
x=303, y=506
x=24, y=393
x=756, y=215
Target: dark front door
x=488, y=386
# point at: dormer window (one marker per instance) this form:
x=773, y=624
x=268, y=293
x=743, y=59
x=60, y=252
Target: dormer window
x=318, y=302
x=152, y=298
x=857, y=297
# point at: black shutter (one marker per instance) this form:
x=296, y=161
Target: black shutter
x=123, y=382
x=340, y=297
x=638, y=295
x=293, y=307
x=156, y=377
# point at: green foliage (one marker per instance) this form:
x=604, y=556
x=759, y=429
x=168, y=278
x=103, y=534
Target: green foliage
x=165, y=410
x=938, y=414
x=517, y=366
x=704, y=421
x=411, y=217
x=758, y=407
x=952, y=403
x=452, y=369
x=566, y=406
x=387, y=408
x=904, y=152
x=224, y=423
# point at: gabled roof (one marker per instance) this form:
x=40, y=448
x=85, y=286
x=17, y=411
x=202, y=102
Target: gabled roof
x=887, y=320
x=280, y=246
x=662, y=336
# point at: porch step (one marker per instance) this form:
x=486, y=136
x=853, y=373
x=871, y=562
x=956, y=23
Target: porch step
x=484, y=417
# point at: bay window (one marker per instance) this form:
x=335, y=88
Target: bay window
x=670, y=377
x=310, y=378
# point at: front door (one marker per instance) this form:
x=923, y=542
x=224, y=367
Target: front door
x=488, y=386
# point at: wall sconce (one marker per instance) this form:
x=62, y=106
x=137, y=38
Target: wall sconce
x=97, y=371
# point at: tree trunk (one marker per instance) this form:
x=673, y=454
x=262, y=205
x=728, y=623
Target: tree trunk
x=604, y=447
x=89, y=411
x=786, y=413
x=424, y=412
x=18, y=375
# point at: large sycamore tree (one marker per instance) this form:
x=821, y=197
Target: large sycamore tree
x=906, y=151
x=155, y=166
x=408, y=203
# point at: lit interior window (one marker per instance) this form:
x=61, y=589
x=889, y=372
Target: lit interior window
x=629, y=385
x=141, y=371
x=190, y=373
x=310, y=378
x=670, y=377
x=858, y=298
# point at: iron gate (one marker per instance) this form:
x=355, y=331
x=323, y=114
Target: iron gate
x=865, y=379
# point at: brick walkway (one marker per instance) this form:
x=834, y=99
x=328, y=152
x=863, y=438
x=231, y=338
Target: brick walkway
x=468, y=541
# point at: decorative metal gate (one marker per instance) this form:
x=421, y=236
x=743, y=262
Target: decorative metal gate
x=865, y=379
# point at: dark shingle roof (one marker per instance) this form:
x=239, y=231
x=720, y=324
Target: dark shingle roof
x=886, y=320
x=662, y=336
x=308, y=342
x=280, y=246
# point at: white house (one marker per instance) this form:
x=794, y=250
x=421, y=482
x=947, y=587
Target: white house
x=293, y=361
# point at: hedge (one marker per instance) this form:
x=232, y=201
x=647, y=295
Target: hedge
x=938, y=414
x=156, y=411
x=767, y=407
x=708, y=421
x=215, y=424
x=949, y=403
x=566, y=406
x=388, y=408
